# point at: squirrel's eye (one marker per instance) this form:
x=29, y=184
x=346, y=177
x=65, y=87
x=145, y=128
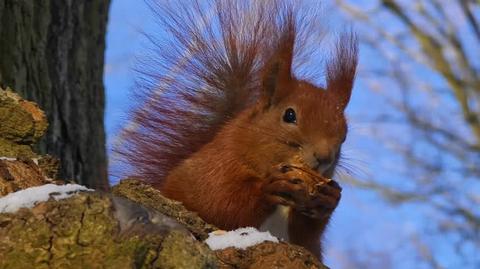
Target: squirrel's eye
x=290, y=116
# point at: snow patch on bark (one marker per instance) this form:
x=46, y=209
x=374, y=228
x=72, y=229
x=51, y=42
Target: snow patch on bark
x=241, y=238
x=7, y=159
x=30, y=197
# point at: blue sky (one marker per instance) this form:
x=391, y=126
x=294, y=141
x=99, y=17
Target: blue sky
x=361, y=222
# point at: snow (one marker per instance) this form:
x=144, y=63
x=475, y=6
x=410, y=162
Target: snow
x=31, y=196
x=241, y=238
x=7, y=159
x=35, y=160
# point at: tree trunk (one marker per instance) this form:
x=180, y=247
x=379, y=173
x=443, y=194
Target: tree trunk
x=52, y=52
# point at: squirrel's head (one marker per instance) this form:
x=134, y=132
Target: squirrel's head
x=297, y=121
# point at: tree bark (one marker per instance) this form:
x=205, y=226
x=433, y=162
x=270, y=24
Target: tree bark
x=92, y=230
x=52, y=52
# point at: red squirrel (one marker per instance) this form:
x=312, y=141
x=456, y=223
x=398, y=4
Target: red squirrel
x=225, y=125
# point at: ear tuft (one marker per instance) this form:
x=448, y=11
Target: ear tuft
x=341, y=69
x=278, y=69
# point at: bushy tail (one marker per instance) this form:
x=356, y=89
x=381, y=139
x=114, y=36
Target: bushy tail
x=205, y=69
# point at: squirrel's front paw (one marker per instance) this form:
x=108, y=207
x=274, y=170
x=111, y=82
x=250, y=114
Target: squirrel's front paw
x=304, y=190
x=323, y=201
x=287, y=192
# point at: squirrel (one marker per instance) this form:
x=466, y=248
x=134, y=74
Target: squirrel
x=225, y=125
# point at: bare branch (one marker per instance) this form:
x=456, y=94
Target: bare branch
x=433, y=49
x=466, y=8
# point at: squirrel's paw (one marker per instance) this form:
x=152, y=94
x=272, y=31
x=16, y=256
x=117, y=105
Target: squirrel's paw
x=323, y=202
x=285, y=192
x=304, y=191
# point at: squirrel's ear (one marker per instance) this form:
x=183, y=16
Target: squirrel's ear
x=341, y=69
x=277, y=74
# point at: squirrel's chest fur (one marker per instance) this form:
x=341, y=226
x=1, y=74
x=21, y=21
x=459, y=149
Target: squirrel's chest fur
x=230, y=203
x=219, y=187
x=230, y=206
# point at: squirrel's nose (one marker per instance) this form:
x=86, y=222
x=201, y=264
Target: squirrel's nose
x=323, y=161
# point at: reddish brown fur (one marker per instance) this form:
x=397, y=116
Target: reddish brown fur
x=213, y=135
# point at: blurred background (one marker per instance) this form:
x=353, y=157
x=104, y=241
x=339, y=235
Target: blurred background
x=411, y=172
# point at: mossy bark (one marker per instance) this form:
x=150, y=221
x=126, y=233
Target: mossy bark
x=85, y=231
x=144, y=194
x=22, y=124
x=52, y=52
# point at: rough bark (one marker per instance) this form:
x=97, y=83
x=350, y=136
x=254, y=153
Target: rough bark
x=21, y=174
x=144, y=194
x=96, y=231
x=22, y=124
x=52, y=52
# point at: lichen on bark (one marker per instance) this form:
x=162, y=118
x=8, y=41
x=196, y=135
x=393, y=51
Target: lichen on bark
x=22, y=125
x=83, y=232
x=146, y=195
x=22, y=121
